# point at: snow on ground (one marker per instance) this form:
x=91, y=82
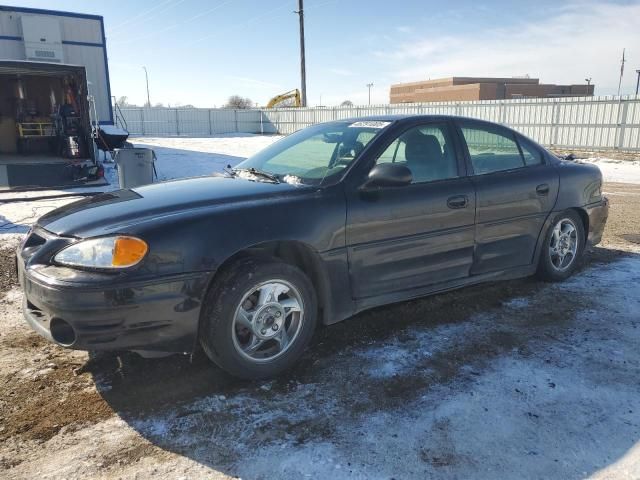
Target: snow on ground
x=544, y=411
x=190, y=157
x=623, y=171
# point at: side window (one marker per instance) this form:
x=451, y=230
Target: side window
x=491, y=149
x=428, y=152
x=390, y=154
x=532, y=155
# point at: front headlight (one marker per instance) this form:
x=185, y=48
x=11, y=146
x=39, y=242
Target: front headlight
x=106, y=252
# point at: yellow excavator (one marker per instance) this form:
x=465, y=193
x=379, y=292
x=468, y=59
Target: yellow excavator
x=285, y=100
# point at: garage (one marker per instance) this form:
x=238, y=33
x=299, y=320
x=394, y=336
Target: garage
x=45, y=126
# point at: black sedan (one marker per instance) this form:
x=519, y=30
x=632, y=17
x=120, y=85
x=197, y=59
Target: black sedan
x=332, y=220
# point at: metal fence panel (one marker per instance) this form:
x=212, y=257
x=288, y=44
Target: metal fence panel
x=598, y=123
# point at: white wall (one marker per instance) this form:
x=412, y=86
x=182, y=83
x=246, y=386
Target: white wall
x=599, y=123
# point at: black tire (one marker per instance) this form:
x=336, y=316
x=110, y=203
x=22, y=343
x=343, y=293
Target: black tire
x=217, y=328
x=546, y=269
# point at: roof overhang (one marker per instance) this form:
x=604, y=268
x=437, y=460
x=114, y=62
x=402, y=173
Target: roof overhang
x=23, y=67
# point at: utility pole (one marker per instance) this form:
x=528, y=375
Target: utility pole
x=303, y=72
x=637, y=81
x=369, y=85
x=146, y=76
x=621, y=71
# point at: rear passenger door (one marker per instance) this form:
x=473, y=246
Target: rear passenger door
x=515, y=191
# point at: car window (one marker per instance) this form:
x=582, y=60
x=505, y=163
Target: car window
x=365, y=136
x=427, y=151
x=315, y=153
x=491, y=149
x=532, y=155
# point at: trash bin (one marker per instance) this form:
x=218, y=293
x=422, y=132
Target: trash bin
x=135, y=166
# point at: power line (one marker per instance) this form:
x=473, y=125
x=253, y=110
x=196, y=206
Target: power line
x=149, y=13
x=173, y=25
x=237, y=25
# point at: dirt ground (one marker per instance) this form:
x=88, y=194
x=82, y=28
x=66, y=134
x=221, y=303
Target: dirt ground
x=512, y=379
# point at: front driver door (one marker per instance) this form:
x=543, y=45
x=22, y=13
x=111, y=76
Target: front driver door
x=403, y=238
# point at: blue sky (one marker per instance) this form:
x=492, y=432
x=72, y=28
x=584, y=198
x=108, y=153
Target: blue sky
x=200, y=52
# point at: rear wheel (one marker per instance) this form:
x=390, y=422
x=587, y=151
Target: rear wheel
x=258, y=318
x=563, y=246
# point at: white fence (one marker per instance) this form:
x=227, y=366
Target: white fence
x=598, y=123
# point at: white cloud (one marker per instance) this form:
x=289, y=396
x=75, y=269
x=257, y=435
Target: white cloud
x=404, y=29
x=578, y=40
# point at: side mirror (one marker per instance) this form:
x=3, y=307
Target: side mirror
x=388, y=175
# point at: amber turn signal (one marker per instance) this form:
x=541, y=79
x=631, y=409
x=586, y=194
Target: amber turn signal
x=128, y=251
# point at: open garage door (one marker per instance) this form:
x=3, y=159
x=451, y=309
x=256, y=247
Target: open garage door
x=45, y=124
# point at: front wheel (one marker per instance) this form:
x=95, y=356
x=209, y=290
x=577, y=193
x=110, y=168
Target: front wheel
x=258, y=318
x=563, y=246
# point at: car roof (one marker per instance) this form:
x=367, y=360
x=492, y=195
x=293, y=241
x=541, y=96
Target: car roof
x=426, y=118
x=430, y=118
x=411, y=116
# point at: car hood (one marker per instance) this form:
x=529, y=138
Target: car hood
x=117, y=211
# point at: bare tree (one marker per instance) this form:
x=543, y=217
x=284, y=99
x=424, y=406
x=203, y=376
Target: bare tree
x=237, y=102
x=123, y=102
x=347, y=103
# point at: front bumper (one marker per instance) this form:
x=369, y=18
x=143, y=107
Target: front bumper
x=598, y=214
x=158, y=314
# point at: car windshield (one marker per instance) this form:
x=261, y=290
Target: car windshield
x=313, y=154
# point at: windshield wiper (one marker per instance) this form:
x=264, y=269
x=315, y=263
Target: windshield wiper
x=258, y=173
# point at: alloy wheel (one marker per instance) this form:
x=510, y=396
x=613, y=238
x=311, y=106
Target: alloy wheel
x=267, y=321
x=563, y=245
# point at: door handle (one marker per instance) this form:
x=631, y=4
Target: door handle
x=459, y=201
x=542, y=189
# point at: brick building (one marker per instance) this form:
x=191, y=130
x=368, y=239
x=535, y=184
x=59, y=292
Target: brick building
x=477, y=88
